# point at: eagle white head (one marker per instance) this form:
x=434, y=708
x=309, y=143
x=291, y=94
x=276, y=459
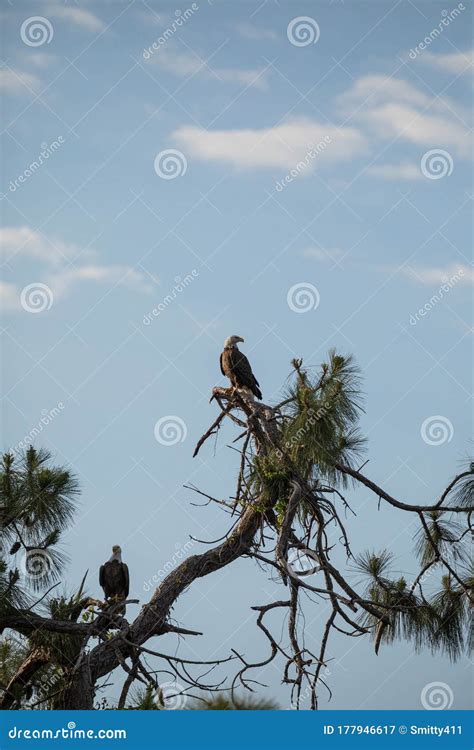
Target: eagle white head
x=116, y=553
x=232, y=341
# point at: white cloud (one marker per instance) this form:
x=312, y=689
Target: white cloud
x=78, y=16
x=9, y=297
x=395, y=108
x=185, y=65
x=282, y=146
x=61, y=282
x=40, y=59
x=379, y=88
x=453, y=62
x=436, y=275
x=26, y=242
x=324, y=254
x=398, y=120
x=403, y=171
x=14, y=81
x=374, y=89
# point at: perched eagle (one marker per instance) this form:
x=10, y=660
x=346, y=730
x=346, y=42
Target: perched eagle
x=113, y=576
x=236, y=367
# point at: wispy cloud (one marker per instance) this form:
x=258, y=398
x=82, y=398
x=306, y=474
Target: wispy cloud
x=187, y=64
x=408, y=123
x=254, y=33
x=9, y=297
x=322, y=254
x=61, y=282
x=404, y=171
x=370, y=90
x=434, y=275
x=453, y=62
x=59, y=266
x=15, y=81
x=78, y=16
x=282, y=146
x=393, y=108
x=16, y=242
x=40, y=59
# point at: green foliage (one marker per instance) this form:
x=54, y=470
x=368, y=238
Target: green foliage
x=37, y=502
x=463, y=493
x=224, y=702
x=144, y=700
x=12, y=653
x=320, y=422
x=439, y=622
x=445, y=536
x=318, y=428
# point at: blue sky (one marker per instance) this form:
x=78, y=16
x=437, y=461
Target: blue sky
x=372, y=224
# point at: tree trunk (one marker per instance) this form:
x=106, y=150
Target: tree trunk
x=16, y=687
x=79, y=693
x=152, y=620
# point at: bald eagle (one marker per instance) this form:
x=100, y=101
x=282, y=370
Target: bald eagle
x=236, y=367
x=113, y=576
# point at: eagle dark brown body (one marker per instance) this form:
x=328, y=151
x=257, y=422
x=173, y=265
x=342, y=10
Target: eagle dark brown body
x=114, y=577
x=235, y=366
